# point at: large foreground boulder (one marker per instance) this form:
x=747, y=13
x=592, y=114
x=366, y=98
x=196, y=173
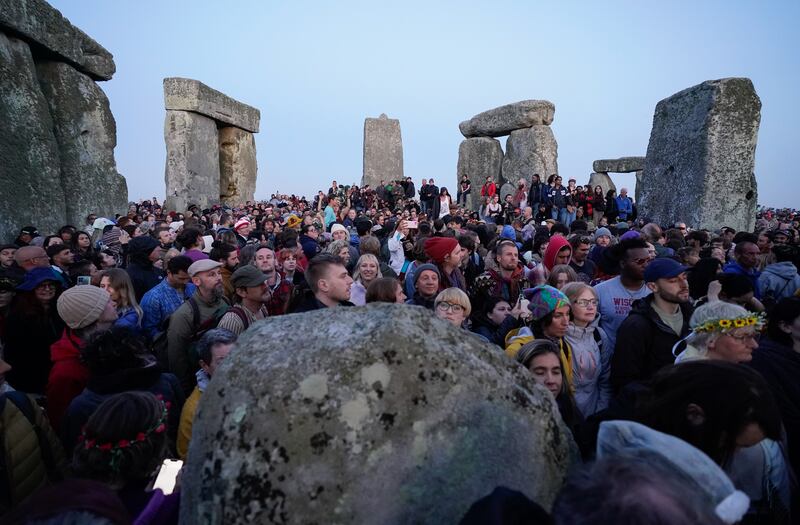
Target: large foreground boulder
x=701, y=157
x=503, y=120
x=376, y=414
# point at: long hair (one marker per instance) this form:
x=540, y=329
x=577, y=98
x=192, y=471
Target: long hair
x=367, y=257
x=121, y=282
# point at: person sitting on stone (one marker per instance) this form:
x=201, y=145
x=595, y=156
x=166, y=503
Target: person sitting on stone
x=426, y=286
x=329, y=285
x=212, y=349
x=119, y=361
x=252, y=293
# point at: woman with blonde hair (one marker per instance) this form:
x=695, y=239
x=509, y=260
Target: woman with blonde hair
x=453, y=305
x=118, y=284
x=368, y=268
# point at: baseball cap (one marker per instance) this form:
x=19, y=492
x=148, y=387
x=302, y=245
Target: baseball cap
x=663, y=268
x=247, y=276
x=202, y=265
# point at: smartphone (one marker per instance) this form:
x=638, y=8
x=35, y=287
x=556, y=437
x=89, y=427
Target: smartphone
x=168, y=475
x=84, y=279
x=412, y=225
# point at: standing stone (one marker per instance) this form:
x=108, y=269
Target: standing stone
x=330, y=417
x=603, y=180
x=639, y=184
x=383, y=151
x=620, y=165
x=86, y=134
x=237, y=165
x=192, y=173
x=530, y=151
x=501, y=121
x=479, y=158
x=29, y=159
x=701, y=156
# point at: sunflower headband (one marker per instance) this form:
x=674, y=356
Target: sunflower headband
x=115, y=448
x=723, y=325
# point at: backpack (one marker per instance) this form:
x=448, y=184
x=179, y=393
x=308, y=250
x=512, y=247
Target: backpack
x=24, y=405
x=202, y=327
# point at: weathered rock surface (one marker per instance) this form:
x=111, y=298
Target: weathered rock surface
x=506, y=190
x=620, y=165
x=639, y=184
x=530, y=151
x=192, y=169
x=38, y=22
x=383, y=151
x=29, y=158
x=186, y=94
x=701, y=156
x=603, y=180
x=86, y=134
x=501, y=121
x=237, y=165
x=479, y=158
x=376, y=414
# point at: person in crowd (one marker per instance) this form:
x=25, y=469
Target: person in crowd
x=26, y=236
x=252, y=292
x=536, y=192
x=624, y=205
x=7, y=252
x=427, y=281
x=442, y=204
x=289, y=268
x=32, y=325
x=385, y=290
x=497, y=318
x=309, y=240
x=143, y=252
x=119, y=361
x=191, y=240
x=745, y=263
x=559, y=198
x=367, y=270
x=704, y=272
x=722, y=331
x=656, y=323
x=205, y=306
x=228, y=257
x=370, y=244
x=506, y=281
x=242, y=229
x=124, y=442
x=580, y=261
x=446, y=254
x=561, y=275
x=779, y=280
x=212, y=349
x=159, y=303
x=453, y=306
x=81, y=246
x=8, y=288
x=558, y=252
x=617, y=295
x=340, y=249
x=340, y=233
x=60, y=258
x=591, y=356
x=396, y=245
x=119, y=287
x=542, y=359
x=328, y=285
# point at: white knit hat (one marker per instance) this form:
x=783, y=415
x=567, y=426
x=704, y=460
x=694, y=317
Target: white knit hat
x=81, y=306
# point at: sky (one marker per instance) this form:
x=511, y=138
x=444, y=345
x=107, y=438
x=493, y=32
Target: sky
x=315, y=70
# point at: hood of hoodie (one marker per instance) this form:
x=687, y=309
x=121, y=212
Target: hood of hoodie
x=139, y=249
x=785, y=270
x=578, y=333
x=67, y=348
x=553, y=247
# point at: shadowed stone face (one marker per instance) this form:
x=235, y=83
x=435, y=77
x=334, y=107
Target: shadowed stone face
x=377, y=414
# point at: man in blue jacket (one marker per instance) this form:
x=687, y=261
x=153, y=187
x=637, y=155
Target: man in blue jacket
x=624, y=205
x=746, y=255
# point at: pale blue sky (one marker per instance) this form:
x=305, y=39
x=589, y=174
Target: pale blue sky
x=317, y=69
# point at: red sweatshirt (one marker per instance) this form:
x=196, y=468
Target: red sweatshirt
x=68, y=377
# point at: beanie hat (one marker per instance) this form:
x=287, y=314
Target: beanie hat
x=438, y=248
x=144, y=244
x=338, y=227
x=544, y=300
x=241, y=223
x=423, y=267
x=508, y=233
x=602, y=231
x=630, y=234
x=81, y=306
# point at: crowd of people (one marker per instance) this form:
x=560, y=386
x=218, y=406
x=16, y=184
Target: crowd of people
x=672, y=353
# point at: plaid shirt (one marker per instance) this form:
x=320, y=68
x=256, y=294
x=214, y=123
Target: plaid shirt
x=159, y=303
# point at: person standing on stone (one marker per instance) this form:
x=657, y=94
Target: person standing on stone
x=645, y=339
x=464, y=189
x=433, y=196
x=536, y=193
x=611, y=207
x=598, y=205
x=329, y=285
x=423, y=196
x=442, y=204
x=617, y=295
x=212, y=349
x=560, y=199
x=410, y=191
x=573, y=203
x=624, y=205
x=488, y=190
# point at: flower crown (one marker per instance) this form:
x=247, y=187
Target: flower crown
x=723, y=325
x=116, y=448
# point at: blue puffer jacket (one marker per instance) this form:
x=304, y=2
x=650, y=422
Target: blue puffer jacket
x=753, y=275
x=779, y=280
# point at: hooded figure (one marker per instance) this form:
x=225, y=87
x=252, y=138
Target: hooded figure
x=144, y=275
x=541, y=273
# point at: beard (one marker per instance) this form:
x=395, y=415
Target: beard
x=679, y=298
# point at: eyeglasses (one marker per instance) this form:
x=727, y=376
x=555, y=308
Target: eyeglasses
x=586, y=302
x=450, y=307
x=642, y=262
x=47, y=284
x=744, y=337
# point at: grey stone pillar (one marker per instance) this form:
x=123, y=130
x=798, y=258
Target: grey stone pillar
x=529, y=151
x=192, y=169
x=237, y=165
x=383, y=151
x=479, y=158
